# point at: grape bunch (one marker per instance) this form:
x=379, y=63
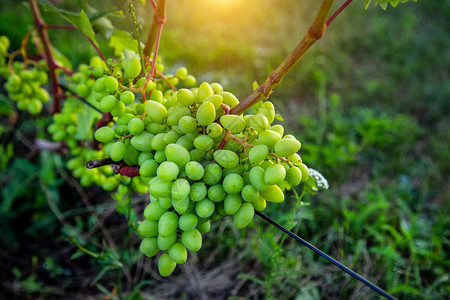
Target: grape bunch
x=201, y=162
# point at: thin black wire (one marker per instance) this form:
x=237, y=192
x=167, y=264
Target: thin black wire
x=80, y=98
x=327, y=257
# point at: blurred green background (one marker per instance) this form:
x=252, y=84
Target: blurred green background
x=370, y=105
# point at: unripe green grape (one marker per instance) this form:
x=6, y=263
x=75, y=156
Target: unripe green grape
x=167, y=224
x=273, y=193
x=154, y=211
x=244, y=215
x=289, y=136
x=177, y=154
x=104, y=134
x=182, y=72
x=214, y=130
x=148, y=168
x=269, y=137
x=257, y=178
x=158, y=141
x=187, y=124
x=197, y=155
x=265, y=164
x=204, y=208
x=305, y=171
x=204, y=142
x=99, y=96
x=181, y=205
x=131, y=156
x=185, y=97
x=190, y=80
x=118, y=151
x=194, y=170
x=165, y=202
x=258, y=153
x=148, y=228
x=156, y=111
x=191, y=136
x=233, y=123
x=171, y=137
x=274, y=174
x=240, y=169
x=259, y=122
x=206, y=113
x=294, y=176
x=142, y=142
x=198, y=191
x=127, y=97
x=204, y=227
x=136, y=126
x=144, y=156
x=166, y=265
x=204, y=90
x=157, y=96
x=267, y=109
x=213, y=174
x=178, y=253
x=229, y=99
x=167, y=171
x=165, y=242
x=175, y=113
x=180, y=189
x=287, y=146
x=111, y=83
x=118, y=110
x=232, y=203
x=277, y=128
x=99, y=85
x=187, y=222
x=259, y=204
x=233, y=183
x=34, y=106
x=226, y=158
x=108, y=103
x=132, y=67
x=42, y=95
x=192, y=239
x=249, y=193
x=149, y=246
x=214, y=99
x=216, y=193
x=160, y=156
x=217, y=87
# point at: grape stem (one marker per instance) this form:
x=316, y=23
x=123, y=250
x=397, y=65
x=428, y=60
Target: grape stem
x=42, y=54
x=313, y=34
x=167, y=81
x=159, y=17
x=96, y=163
x=54, y=81
x=242, y=142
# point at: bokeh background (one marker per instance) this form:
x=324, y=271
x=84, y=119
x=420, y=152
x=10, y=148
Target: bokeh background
x=370, y=104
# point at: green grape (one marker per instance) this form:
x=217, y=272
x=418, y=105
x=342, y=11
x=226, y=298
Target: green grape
x=190, y=80
x=165, y=242
x=232, y=203
x=131, y=156
x=204, y=142
x=257, y=178
x=142, y=142
x=259, y=204
x=187, y=124
x=166, y=265
x=198, y=191
x=213, y=174
x=185, y=142
x=177, y=154
x=118, y=151
x=136, y=126
x=187, y=222
x=204, y=227
x=194, y=170
x=258, y=153
x=181, y=205
x=178, y=253
x=155, y=110
x=204, y=208
x=277, y=128
x=167, y=224
x=160, y=156
x=132, y=68
x=175, y=113
x=111, y=83
x=108, y=103
x=34, y=106
x=171, y=137
x=216, y=193
x=144, y=156
x=192, y=239
x=127, y=97
x=233, y=123
x=305, y=172
x=197, y=155
x=168, y=171
x=118, y=110
x=238, y=170
x=148, y=168
x=157, y=96
x=99, y=85
x=269, y=137
x=229, y=99
x=204, y=90
x=180, y=189
x=104, y=134
x=267, y=109
x=185, y=97
x=287, y=146
x=149, y=246
x=265, y=164
x=148, y=228
x=249, y=193
x=214, y=99
x=233, y=183
x=165, y=202
x=158, y=141
x=244, y=215
x=294, y=176
x=182, y=72
x=259, y=122
x=154, y=211
x=274, y=174
x=273, y=193
x=206, y=113
x=226, y=158
x=124, y=119
x=214, y=130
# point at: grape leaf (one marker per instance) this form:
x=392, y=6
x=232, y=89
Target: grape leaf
x=86, y=119
x=122, y=40
x=384, y=3
x=80, y=21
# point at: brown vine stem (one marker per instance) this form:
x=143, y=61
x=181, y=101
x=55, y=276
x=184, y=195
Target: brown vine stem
x=313, y=34
x=159, y=17
x=337, y=12
x=54, y=81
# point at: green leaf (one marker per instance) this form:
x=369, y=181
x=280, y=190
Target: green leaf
x=80, y=21
x=384, y=3
x=122, y=40
x=86, y=118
